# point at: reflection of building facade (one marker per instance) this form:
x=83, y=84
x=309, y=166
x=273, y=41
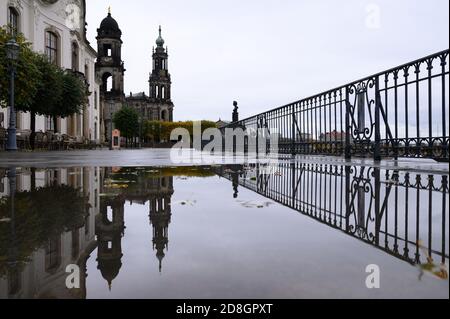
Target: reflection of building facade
x=44, y=276
x=45, y=24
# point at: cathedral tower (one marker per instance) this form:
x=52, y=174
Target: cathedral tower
x=160, y=83
x=110, y=72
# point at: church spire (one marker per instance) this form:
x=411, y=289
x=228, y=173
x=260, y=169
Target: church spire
x=160, y=40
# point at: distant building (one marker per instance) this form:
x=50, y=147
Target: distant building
x=221, y=124
x=158, y=105
x=333, y=136
x=304, y=137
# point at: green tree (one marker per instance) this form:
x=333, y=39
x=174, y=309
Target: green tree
x=73, y=98
x=48, y=94
x=41, y=87
x=160, y=131
x=127, y=121
x=28, y=76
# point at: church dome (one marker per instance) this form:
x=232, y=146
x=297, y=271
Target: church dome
x=109, y=23
x=109, y=28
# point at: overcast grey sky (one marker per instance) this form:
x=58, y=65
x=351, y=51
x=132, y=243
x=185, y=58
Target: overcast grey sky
x=267, y=53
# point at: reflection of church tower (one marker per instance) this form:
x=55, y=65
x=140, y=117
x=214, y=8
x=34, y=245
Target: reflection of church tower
x=109, y=228
x=160, y=214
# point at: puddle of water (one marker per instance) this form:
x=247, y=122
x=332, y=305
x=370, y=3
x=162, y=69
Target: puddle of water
x=294, y=230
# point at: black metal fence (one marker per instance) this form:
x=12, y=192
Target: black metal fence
x=401, y=112
x=402, y=213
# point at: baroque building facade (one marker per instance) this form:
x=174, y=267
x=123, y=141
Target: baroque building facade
x=57, y=28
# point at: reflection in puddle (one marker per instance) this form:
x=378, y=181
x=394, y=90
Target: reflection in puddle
x=57, y=217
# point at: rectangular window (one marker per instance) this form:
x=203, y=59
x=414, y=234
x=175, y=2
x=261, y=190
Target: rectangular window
x=13, y=21
x=107, y=50
x=19, y=120
x=49, y=124
x=53, y=254
x=51, y=47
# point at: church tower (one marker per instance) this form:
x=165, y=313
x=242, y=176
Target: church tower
x=110, y=72
x=160, y=83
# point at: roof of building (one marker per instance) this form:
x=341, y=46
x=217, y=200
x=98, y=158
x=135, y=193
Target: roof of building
x=109, y=27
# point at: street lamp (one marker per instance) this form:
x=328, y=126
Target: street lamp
x=140, y=126
x=12, y=54
x=110, y=125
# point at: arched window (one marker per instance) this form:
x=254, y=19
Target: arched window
x=163, y=92
x=75, y=57
x=13, y=21
x=107, y=82
x=51, y=47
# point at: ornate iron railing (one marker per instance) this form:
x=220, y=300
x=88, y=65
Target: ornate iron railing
x=402, y=213
x=401, y=112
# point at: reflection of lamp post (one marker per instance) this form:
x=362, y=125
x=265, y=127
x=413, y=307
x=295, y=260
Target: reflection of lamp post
x=12, y=53
x=12, y=261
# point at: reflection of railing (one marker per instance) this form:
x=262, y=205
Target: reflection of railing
x=398, y=212
x=401, y=112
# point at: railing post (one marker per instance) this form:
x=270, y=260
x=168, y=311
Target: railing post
x=377, y=147
x=293, y=137
x=257, y=136
x=347, y=197
x=347, y=125
x=377, y=205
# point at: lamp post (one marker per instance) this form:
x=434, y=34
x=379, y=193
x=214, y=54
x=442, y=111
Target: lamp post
x=140, y=126
x=110, y=125
x=12, y=54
